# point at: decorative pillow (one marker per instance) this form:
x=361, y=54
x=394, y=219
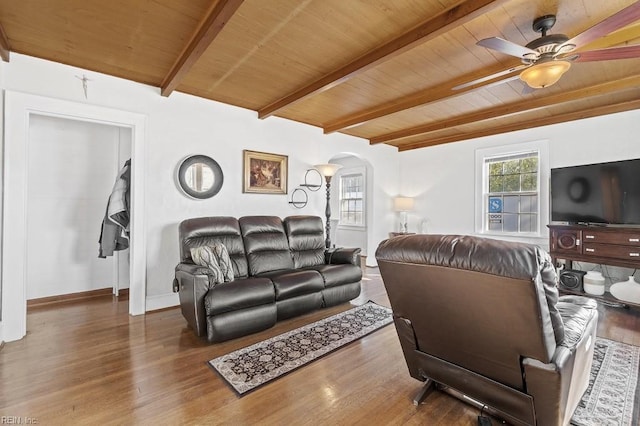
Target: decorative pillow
x=216, y=258
x=224, y=261
x=204, y=256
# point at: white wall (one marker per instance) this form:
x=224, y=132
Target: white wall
x=72, y=168
x=442, y=177
x=181, y=125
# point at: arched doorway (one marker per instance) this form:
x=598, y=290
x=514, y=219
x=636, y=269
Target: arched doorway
x=352, y=203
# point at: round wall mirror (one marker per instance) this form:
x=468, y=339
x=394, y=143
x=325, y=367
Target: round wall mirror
x=200, y=177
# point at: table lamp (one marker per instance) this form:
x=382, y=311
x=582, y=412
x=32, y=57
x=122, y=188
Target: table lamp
x=403, y=205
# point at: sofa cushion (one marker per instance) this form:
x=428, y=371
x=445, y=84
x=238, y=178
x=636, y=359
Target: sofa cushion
x=233, y=324
x=576, y=312
x=265, y=243
x=203, y=231
x=299, y=305
x=239, y=294
x=290, y=284
x=334, y=275
x=306, y=240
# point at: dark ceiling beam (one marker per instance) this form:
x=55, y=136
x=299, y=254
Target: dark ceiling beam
x=529, y=124
x=527, y=105
x=427, y=30
x=424, y=97
x=5, y=48
x=208, y=30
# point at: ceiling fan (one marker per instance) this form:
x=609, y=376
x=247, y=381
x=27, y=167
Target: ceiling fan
x=546, y=59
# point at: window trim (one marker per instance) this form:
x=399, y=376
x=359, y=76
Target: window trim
x=481, y=185
x=347, y=172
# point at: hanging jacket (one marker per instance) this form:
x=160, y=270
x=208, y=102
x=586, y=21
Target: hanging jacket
x=114, y=234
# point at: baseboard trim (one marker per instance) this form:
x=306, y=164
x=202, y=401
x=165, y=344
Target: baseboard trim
x=162, y=301
x=76, y=297
x=153, y=303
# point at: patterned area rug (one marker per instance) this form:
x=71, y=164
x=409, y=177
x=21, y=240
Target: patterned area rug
x=613, y=395
x=253, y=366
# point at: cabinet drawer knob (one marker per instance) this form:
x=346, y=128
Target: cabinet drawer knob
x=590, y=250
x=634, y=240
x=634, y=254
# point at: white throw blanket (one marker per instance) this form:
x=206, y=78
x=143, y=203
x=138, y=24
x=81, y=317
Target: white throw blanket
x=216, y=258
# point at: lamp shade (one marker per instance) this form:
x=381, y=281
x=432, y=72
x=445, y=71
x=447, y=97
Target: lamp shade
x=544, y=74
x=327, y=169
x=403, y=204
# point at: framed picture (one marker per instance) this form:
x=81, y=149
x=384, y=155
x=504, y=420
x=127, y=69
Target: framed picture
x=264, y=173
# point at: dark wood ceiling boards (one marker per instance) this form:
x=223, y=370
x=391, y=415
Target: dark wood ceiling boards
x=383, y=70
x=137, y=40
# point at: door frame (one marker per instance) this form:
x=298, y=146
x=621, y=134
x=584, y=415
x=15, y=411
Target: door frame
x=19, y=107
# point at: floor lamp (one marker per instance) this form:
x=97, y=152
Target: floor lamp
x=328, y=171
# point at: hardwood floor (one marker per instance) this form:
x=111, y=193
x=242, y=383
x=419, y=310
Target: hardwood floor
x=91, y=363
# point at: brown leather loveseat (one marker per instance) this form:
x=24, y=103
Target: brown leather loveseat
x=280, y=270
x=482, y=318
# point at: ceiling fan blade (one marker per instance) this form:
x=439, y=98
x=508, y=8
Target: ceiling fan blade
x=623, y=52
x=622, y=37
x=618, y=20
x=491, y=77
x=507, y=47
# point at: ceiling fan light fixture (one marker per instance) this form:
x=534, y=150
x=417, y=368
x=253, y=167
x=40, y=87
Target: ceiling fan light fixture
x=544, y=74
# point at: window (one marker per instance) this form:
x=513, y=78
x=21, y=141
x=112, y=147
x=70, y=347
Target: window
x=512, y=189
x=512, y=193
x=352, y=199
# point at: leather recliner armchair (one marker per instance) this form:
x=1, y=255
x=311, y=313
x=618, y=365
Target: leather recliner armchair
x=483, y=318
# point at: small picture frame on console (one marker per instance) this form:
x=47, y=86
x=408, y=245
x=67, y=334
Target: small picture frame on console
x=264, y=173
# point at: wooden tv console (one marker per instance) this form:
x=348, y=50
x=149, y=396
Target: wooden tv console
x=615, y=246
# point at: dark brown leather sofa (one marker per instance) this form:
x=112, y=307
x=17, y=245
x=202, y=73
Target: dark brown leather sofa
x=281, y=270
x=483, y=318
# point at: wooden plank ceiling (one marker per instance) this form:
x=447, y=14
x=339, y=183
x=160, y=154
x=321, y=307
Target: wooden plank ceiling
x=383, y=70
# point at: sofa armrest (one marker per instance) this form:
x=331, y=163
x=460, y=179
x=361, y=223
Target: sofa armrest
x=557, y=387
x=192, y=284
x=340, y=256
x=193, y=269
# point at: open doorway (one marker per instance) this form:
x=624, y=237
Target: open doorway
x=71, y=169
x=20, y=109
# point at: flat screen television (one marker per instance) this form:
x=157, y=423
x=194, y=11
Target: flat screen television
x=603, y=193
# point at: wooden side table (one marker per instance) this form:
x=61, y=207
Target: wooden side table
x=396, y=234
